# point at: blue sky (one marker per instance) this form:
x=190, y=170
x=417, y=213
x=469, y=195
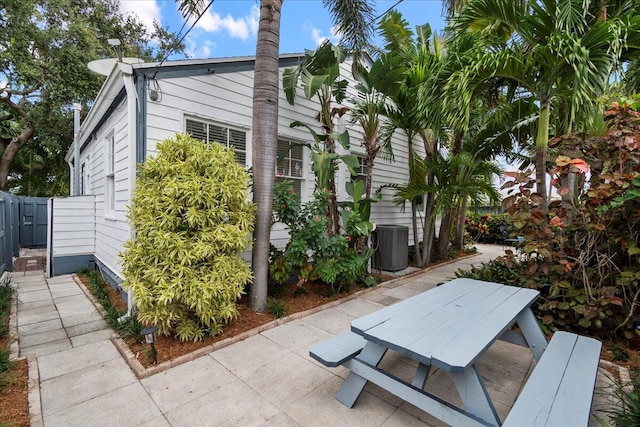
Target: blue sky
x=229, y=27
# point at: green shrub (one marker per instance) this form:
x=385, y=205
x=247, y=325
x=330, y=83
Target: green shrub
x=581, y=251
x=277, y=308
x=486, y=228
x=6, y=292
x=192, y=219
x=128, y=328
x=312, y=252
x=627, y=412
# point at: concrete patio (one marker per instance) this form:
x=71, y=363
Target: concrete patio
x=267, y=379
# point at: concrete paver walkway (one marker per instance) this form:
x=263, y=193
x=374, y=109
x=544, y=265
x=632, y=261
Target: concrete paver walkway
x=266, y=380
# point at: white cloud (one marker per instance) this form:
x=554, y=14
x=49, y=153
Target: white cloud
x=254, y=19
x=240, y=28
x=318, y=37
x=146, y=11
x=196, y=47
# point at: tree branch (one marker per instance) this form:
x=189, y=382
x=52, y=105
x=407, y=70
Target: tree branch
x=13, y=106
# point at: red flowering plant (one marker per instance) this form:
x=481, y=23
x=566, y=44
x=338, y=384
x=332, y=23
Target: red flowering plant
x=583, y=254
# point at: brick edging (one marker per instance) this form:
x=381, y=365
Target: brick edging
x=141, y=372
x=35, y=403
x=14, y=346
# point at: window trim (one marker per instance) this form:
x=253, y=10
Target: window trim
x=281, y=177
x=110, y=176
x=208, y=123
x=362, y=171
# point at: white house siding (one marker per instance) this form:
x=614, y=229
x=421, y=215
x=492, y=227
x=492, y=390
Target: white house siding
x=72, y=240
x=111, y=230
x=226, y=99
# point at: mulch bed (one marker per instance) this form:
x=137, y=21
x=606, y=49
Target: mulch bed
x=14, y=397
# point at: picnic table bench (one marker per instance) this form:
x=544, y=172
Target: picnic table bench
x=450, y=327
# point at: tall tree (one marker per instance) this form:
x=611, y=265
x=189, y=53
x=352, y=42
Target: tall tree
x=416, y=110
x=353, y=20
x=264, y=143
x=45, y=46
x=555, y=51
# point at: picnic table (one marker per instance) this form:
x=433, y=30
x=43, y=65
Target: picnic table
x=450, y=327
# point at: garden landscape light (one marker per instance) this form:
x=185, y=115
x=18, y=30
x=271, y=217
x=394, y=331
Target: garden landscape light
x=149, y=334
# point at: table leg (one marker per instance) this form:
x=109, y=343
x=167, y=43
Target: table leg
x=354, y=384
x=474, y=395
x=420, y=378
x=532, y=333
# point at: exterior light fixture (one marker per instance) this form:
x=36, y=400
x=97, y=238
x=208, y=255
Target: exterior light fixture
x=115, y=43
x=149, y=334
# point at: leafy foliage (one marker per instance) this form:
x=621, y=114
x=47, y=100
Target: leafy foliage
x=319, y=75
x=313, y=253
x=277, y=308
x=625, y=412
x=44, y=49
x=99, y=288
x=486, y=228
x=192, y=219
x=6, y=293
x=583, y=256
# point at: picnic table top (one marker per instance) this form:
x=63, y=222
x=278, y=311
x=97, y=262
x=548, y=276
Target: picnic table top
x=449, y=326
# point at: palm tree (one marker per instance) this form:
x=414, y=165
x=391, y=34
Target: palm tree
x=416, y=108
x=552, y=49
x=458, y=180
x=353, y=20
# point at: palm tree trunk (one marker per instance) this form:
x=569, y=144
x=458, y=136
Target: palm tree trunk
x=443, y=238
x=264, y=143
x=428, y=230
x=542, y=141
x=417, y=259
x=462, y=216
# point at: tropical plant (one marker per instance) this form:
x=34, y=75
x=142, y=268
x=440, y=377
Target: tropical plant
x=192, y=219
x=319, y=74
x=277, y=308
x=561, y=53
x=472, y=180
x=583, y=256
x=368, y=112
x=312, y=253
x=127, y=327
x=415, y=64
x=6, y=295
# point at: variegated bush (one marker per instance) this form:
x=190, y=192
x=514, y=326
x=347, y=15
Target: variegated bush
x=192, y=219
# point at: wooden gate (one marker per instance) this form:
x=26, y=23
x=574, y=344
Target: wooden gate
x=33, y=222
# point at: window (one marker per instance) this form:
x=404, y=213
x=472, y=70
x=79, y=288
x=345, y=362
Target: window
x=290, y=164
x=362, y=170
x=228, y=137
x=110, y=178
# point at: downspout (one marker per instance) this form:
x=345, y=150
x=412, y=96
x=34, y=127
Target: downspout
x=76, y=149
x=132, y=121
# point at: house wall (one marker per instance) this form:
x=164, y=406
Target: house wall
x=72, y=231
x=111, y=229
x=226, y=99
